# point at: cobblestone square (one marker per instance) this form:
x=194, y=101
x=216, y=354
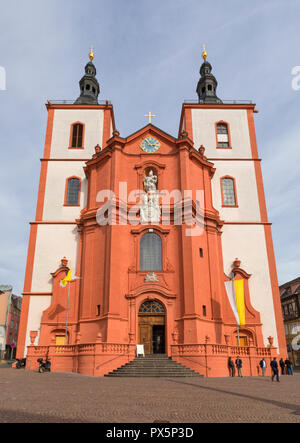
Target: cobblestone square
x=30, y=397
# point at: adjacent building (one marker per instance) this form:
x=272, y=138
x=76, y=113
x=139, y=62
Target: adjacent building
x=290, y=302
x=10, y=312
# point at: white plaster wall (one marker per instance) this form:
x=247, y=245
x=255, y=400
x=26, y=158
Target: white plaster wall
x=63, y=119
x=53, y=242
x=204, y=132
x=2, y=338
x=246, y=190
x=37, y=305
x=57, y=174
x=247, y=242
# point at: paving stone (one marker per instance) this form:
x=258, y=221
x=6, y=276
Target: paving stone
x=30, y=397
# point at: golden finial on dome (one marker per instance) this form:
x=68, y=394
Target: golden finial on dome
x=204, y=53
x=91, y=54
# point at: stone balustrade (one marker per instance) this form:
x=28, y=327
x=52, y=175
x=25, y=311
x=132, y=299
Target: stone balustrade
x=100, y=358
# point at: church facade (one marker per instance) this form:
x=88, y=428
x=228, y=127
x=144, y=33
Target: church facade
x=151, y=226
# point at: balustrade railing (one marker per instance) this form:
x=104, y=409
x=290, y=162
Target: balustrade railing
x=85, y=348
x=215, y=349
x=223, y=102
x=72, y=102
x=120, y=349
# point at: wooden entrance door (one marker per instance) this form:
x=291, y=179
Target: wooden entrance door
x=145, y=337
x=152, y=322
x=152, y=331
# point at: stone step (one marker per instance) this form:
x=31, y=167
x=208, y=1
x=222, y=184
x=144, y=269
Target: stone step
x=158, y=365
x=153, y=357
x=153, y=376
x=123, y=369
x=154, y=365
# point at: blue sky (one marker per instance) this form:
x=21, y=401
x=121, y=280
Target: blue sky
x=148, y=55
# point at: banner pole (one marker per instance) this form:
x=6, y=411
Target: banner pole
x=66, y=333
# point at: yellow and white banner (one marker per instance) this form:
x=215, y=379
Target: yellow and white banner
x=236, y=296
x=67, y=279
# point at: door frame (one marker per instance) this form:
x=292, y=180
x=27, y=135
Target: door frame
x=150, y=325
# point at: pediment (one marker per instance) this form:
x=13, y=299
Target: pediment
x=136, y=143
x=139, y=142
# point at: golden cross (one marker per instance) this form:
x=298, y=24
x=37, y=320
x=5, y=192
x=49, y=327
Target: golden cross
x=91, y=54
x=204, y=53
x=150, y=115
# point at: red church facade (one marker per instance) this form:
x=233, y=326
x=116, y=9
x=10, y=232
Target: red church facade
x=160, y=284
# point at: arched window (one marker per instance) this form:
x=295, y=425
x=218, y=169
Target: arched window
x=151, y=307
x=72, y=192
x=77, y=130
x=228, y=191
x=223, y=138
x=151, y=253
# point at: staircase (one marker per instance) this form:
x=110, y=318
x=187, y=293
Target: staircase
x=156, y=365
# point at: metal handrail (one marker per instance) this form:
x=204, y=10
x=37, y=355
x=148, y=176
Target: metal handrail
x=72, y=102
x=224, y=102
x=112, y=359
x=194, y=361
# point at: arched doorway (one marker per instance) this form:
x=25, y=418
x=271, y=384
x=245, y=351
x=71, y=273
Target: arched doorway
x=152, y=326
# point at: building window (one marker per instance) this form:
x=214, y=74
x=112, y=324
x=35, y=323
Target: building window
x=242, y=341
x=151, y=307
x=228, y=192
x=285, y=311
x=60, y=340
x=73, y=192
x=77, y=130
x=223, y=138
x=151, y=252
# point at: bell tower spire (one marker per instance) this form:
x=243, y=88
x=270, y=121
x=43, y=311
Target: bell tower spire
x=89, y=86
x=207, y=85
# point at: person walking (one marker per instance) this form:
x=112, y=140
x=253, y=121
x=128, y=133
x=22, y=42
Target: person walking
x=289, y=367
x=282, y=365
x=231, y=367
x=274, y=366
x=239, y=364
x=263, y=366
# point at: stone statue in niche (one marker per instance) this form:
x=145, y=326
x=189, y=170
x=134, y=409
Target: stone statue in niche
x=150, y=211
x=150, y=182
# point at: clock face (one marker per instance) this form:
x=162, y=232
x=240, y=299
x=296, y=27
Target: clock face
x=150, y=145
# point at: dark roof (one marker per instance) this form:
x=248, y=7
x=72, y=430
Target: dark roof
x=286, y=289
x=289, y=283
x=297, y=290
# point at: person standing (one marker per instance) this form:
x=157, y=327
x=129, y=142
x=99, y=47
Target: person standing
x=239, y=364
x=274, y=366
x=231, y=367
x=263, y=366
x=282, y=365
x=289, y=367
